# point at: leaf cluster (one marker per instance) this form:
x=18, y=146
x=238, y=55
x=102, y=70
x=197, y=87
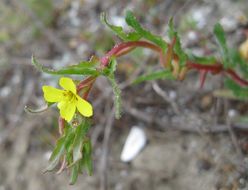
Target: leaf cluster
x=231, y=59
x=75, y=148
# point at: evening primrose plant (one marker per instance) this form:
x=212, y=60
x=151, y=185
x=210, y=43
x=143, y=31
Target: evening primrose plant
x=73, y=148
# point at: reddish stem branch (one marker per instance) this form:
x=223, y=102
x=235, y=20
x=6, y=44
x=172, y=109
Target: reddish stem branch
x=215, y=69
x=120, y=47
x=85, y=82
x=125, y=51
x=61, y=123
x=203, y=75
x=125, y=47
x=237, y=78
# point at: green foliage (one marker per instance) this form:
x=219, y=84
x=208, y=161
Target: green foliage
x=57, y=154
x=118, y=30
x=77, y=143
x=83, y=68
x=208, y=60
x=87, y=160
x=221, y=39
x=177, y=49
x=75, y=147
x=109, y=73
x=240, y=62
x=162, y=74
x=74, y=173
x=132, y=21
x=237, y=90
x=171, y=30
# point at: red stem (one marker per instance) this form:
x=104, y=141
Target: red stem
x=120, y=47
x=215, y=69
x=237, y=78
x=125, y=47
x=61, y=123
x=85, y=82
x=203, y=75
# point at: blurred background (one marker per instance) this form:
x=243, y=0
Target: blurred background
x=195, y=140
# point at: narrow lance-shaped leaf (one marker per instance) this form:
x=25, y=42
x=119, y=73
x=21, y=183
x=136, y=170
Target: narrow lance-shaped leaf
x=208, y=60
x=162, y=74
x=115, y=87
x=109, y=73
x=83, y=68
x=177, y=49
x=132, y=21
x=221, y=39
x=74, y=173
x=57, y=153
x=80, y=133
x=117, y=96
x=70, y=135
x=171, y=29
x=118, y=30
x=87, y=149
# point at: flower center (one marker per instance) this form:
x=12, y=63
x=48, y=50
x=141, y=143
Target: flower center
x=69, y=96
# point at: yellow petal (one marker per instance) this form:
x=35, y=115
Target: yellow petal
x=67, y=84
x=52, y=94
x=84, y=107
x=67, y=110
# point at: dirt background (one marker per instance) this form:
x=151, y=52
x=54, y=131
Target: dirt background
x=196, y=141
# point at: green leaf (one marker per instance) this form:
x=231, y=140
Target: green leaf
x=81, y=131
x=208, y=60
x=115, y=87
x=177, y=49
x=237, y=90
x=132, y=21
x=70, y=135
x=180, y=53
x=74, y=173
x=83, y=68
x=161, y=74
x=87, y=150
x=242, y=63
x=56, y=155
x=118, y=30
x=109, y=73
x=221, y=39
x=117, y=96
x=171, y=29
x=243, y=67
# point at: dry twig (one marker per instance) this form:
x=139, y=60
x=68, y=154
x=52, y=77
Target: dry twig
x=103, y=169
x=163, y=94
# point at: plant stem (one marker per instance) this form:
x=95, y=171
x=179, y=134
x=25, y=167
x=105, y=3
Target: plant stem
x=117, y=49
x=126, y=47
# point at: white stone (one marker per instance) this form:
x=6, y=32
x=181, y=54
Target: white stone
x=135, y=142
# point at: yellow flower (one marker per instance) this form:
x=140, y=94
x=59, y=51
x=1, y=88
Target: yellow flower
x=67, y=99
